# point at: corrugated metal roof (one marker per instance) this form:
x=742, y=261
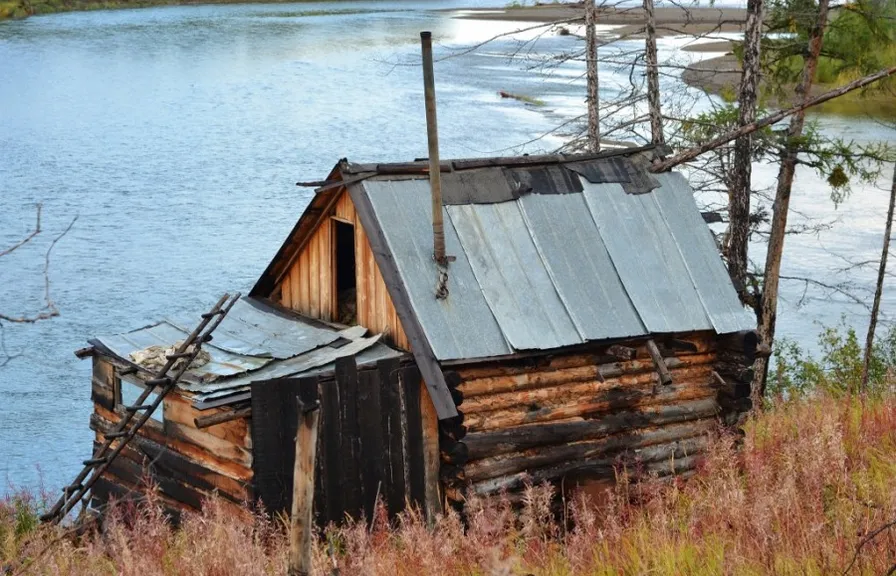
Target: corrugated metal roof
x=547, y=270
x=698, y=248
x=253, y=342
x=457, y=327
x=577, y=260
x=646, y=258
x=516, y=284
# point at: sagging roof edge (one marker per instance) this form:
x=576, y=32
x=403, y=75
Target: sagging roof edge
x=422, y=351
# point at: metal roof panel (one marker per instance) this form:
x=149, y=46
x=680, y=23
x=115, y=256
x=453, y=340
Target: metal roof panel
x=701, y=256
x=460, y=326
x=513, y=277
x=646, y=258
x=580, y=266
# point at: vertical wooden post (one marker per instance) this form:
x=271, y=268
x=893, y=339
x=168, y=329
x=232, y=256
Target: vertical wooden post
x=432, y=499
x=301, y=521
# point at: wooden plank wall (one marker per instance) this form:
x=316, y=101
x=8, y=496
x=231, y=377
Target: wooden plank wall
x=577, y=415
x=185, y=463
x=370, y=443
x=309, y=286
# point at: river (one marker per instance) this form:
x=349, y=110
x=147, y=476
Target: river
x=176, y=134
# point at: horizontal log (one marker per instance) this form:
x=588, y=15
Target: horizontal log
x=701, y=343
x=83, y=353
x=165, y=462
x=180, y=410
x=493, y=467
x=222, y=417
x=102, y=419
x=169, y=463
x=111, y=488
x=472, y=389
x=634, y=392
x=572, y=389
x=622, y=352
x=596, y=467
x=492, y=443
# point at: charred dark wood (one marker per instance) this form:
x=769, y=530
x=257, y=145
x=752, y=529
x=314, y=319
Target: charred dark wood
x=457, y=454
x=622, y=352
x=743, y=344
x=83, y=353
x=675, y=344
x=738, y=372
x=478, y=470
x=456, y=433
x=602, y=466
x=492, y=443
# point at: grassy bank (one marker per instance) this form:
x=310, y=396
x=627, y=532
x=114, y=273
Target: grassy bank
x=13, y=9
x=813, y=478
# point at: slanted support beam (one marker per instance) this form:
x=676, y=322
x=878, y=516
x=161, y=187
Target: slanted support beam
x=661, y=369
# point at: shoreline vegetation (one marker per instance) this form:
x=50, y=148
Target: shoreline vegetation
x=806, y=490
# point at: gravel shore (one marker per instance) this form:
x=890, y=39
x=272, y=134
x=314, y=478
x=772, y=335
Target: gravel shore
x=669, y=20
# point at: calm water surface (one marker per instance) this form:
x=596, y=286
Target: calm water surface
x=176, y=135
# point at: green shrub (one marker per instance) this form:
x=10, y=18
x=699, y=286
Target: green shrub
x=838, y=370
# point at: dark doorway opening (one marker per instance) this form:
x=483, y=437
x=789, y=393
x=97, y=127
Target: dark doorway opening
x=346, y=294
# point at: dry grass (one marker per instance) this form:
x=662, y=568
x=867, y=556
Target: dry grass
x=812, y=479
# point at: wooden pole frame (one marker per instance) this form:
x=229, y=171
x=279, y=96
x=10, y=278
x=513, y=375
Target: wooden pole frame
x=301, y=521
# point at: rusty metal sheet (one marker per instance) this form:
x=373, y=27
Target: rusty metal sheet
x=701, y=256
x=513, y=278
x=647, y=259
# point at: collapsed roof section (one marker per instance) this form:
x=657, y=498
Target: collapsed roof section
x=254, y=342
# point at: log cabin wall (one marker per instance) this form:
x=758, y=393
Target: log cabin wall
x=309, y=287
x=570, y=417
x=185, y=463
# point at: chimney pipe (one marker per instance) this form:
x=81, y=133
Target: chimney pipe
x=432, y=133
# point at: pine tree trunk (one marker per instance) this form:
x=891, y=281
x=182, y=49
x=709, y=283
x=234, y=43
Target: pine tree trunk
x=881, y=272
x=591, y=76
x=653, y=77
x=739, y=193
x=769, y=304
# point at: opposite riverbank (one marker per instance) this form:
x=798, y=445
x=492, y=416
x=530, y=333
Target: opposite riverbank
x=18, y=9
x=718, y=75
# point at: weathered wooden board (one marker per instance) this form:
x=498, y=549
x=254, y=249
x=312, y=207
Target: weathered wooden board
x=391, y=422
x=410, y=384
x=274, y=437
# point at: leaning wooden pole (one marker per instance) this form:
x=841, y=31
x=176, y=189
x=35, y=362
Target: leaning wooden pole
x=878, y=291
x=301, y=521
x=592, y=79
x=693, y=152
x=653, y=77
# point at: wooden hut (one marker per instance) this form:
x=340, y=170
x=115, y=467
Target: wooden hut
x=583, y=318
